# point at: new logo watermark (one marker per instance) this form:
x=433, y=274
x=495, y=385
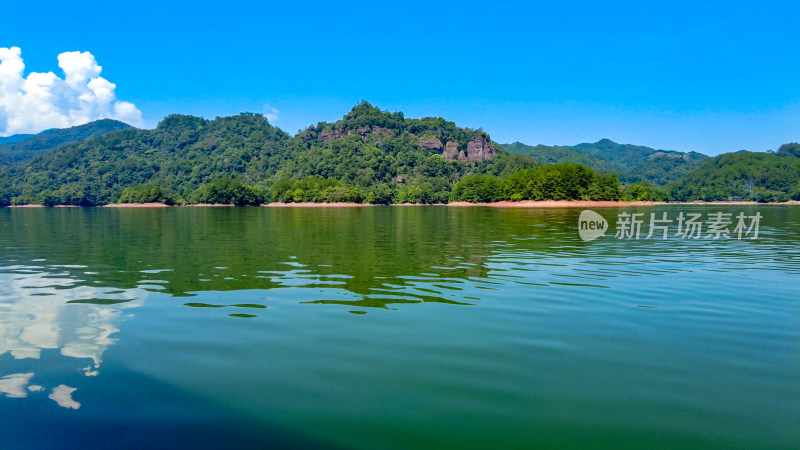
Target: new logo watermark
x=591, y=225
x=714, y=226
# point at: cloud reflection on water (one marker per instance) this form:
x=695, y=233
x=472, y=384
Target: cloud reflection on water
x=44, y=310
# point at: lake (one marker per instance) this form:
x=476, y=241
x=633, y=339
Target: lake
x=394, y=327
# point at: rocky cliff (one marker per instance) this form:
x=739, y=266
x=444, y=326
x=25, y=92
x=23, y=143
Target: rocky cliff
x=478, y=149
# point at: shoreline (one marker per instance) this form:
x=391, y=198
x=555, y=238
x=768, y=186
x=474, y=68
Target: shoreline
x=532, y=204
x=136, y=205
x=316, y=205
x=557, y=204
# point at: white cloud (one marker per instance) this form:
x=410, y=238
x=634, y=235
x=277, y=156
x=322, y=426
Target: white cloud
x=270, y=113
x=62, y=395
x=44, y=100
x=14, y=385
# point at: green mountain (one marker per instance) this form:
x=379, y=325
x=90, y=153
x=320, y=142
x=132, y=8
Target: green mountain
x=368, y=155
x=631, y=163
x=546, y=154
x=19, y=148
x=14, y=138
x=749, y=175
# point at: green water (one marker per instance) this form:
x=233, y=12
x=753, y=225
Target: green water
x=393, y=327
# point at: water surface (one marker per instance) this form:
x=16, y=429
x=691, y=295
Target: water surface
x=393, y=327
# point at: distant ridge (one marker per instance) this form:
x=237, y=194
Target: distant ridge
x=24, y=147
x=631, y=163
x=14, y=138
x=369, y=155
x=756, y=176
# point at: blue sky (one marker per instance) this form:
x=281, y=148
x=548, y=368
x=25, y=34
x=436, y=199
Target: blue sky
x=713, y=77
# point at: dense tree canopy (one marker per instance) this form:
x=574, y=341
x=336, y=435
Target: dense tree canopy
x=142, y=193
x=550, y=182
x=14, y=151
x=749, y=175
x=631, y=163
x=371, y=156
x=227, y=191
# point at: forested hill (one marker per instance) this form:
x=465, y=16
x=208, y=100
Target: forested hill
x=15, y=150
x=368, y=154
x=181, y=152
x=631, y=163
x=14, y=138
x=753, y=176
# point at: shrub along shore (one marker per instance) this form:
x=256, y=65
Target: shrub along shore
x=374, y=157
x=500, y=204
x=556, y=182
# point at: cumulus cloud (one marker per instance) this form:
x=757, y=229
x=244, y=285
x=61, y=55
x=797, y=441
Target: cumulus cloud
x=14, y=385
x=270, y=113
x=45, y=100
x=62, y=394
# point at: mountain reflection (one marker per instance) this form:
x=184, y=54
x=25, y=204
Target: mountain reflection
x=186, y=250
x=70, y=277
x=366, y=257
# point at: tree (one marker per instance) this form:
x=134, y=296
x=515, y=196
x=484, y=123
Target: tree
x=142, y=193
x=478, y=189
x=227, y=191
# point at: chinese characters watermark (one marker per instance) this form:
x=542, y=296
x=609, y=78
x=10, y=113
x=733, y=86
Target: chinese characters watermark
x=712, y=226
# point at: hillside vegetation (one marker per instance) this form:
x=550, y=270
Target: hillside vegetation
x=631, y=163
x=19, y=148
x=369, y=156
x=766, y=177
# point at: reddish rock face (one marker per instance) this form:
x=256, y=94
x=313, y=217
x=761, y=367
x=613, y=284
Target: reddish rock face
x=479, y=149
x=308, y=134
x=386, y=132
x=431, y=144
x=325, y=137
x=450, y=151
x=362, y=132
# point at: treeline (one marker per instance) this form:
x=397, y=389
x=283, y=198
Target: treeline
x=374, y=156
x=551, y=182
x=631, y=163
x=368, y=156
x=753, y=176
x=225, y=191
x=16, y=152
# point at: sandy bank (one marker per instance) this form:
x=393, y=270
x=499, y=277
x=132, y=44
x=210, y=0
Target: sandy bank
x=137, y=205
x=503, y=204
x=206, y=205
x=315, y=205
x=42, y=206
x=161, y=205
x=558, y=204
x=790, y=202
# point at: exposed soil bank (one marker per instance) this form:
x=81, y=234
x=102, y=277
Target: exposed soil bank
x=137, y=205
x=557, y=204
x=315, y=205
x=603, y=204
x=160, y=205
x=503, y=204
